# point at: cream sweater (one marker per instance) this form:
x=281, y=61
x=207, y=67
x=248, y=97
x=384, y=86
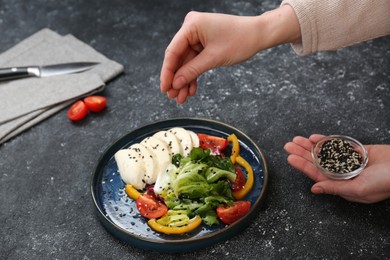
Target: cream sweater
x=332, y=24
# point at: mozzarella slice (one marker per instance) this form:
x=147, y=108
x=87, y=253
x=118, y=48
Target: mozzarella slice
x=171, y=140
x=149, y=162
x=131, y=168
x=184, y=139
x=150, y=175
x=164, y=179
x=194, y=138
x=160, y=152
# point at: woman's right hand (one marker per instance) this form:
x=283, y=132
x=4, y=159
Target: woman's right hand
x=209, y=40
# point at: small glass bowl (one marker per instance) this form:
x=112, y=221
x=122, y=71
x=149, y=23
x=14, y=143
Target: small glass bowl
x=334, y=175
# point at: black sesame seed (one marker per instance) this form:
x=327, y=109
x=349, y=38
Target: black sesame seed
x=339, y=156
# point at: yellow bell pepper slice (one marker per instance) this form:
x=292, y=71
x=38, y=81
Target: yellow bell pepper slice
x=132, y=192
x=193, y=224
x=250, y=179
x=236, y=147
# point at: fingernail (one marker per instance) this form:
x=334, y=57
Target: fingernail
x=179, y=82
x=317, y=190
x=162, y=88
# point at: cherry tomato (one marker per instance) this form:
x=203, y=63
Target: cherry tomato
x=239, y=182
x=95, y=103
x=215, y=143
x=230, y=214
x=150, y=207
x=77, y=111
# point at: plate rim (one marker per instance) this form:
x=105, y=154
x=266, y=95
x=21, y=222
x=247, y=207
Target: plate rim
x=170, y=245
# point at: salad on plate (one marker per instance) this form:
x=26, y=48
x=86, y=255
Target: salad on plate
x=180, y=179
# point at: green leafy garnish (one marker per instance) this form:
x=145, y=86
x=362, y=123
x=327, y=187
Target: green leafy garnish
x=196, y=186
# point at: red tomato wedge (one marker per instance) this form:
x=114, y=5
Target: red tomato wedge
x=150, y=207
x=77, y=111
x=215, y=143
x=95, y=103
x=239, y=182
x=230, y=214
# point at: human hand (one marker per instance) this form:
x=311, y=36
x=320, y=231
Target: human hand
x=207, y=41
x=371, y=185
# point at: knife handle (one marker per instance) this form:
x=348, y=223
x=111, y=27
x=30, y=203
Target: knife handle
x=14, y=73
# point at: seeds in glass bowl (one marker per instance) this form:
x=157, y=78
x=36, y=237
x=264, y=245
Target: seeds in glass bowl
x=339, y=156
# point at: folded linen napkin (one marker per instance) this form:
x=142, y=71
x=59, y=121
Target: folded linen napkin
x=26, y=102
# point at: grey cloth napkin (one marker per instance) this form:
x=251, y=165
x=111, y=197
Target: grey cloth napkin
x=26, y=102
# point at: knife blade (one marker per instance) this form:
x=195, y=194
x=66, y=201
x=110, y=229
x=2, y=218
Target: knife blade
x=44, y=71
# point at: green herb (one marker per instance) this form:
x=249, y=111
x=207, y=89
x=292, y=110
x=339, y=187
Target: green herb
x=200, y=155
x=176, y=158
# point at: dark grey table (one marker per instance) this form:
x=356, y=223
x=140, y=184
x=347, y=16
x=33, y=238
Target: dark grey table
x=46, y=210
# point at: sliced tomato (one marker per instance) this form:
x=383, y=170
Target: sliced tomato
x=230, y=214
x=77, y=111
x=150, y=207
x=239, y=182
x=150, y=191
x=214, y=143
x=95, y=103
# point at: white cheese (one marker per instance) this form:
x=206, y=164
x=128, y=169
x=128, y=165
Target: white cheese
x=194, y=139
x=160, y=150
x=131, y=168
x=164, y=179
x=171, y=140
x=149, y=162
x=151, y=173
x=184, y=139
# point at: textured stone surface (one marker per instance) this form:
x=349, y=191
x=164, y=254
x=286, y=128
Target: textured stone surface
x=46, y=208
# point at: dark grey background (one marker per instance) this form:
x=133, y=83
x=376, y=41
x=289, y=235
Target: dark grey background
x=46, y=210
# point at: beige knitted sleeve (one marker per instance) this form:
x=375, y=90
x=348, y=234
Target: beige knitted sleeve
x=332, y=24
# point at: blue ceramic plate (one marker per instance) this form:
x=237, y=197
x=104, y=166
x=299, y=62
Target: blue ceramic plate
x=118, y=212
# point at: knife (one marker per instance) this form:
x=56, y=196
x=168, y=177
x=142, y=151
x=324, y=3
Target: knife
x=44, y=71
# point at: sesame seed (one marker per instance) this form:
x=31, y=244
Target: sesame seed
x=339, y=156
